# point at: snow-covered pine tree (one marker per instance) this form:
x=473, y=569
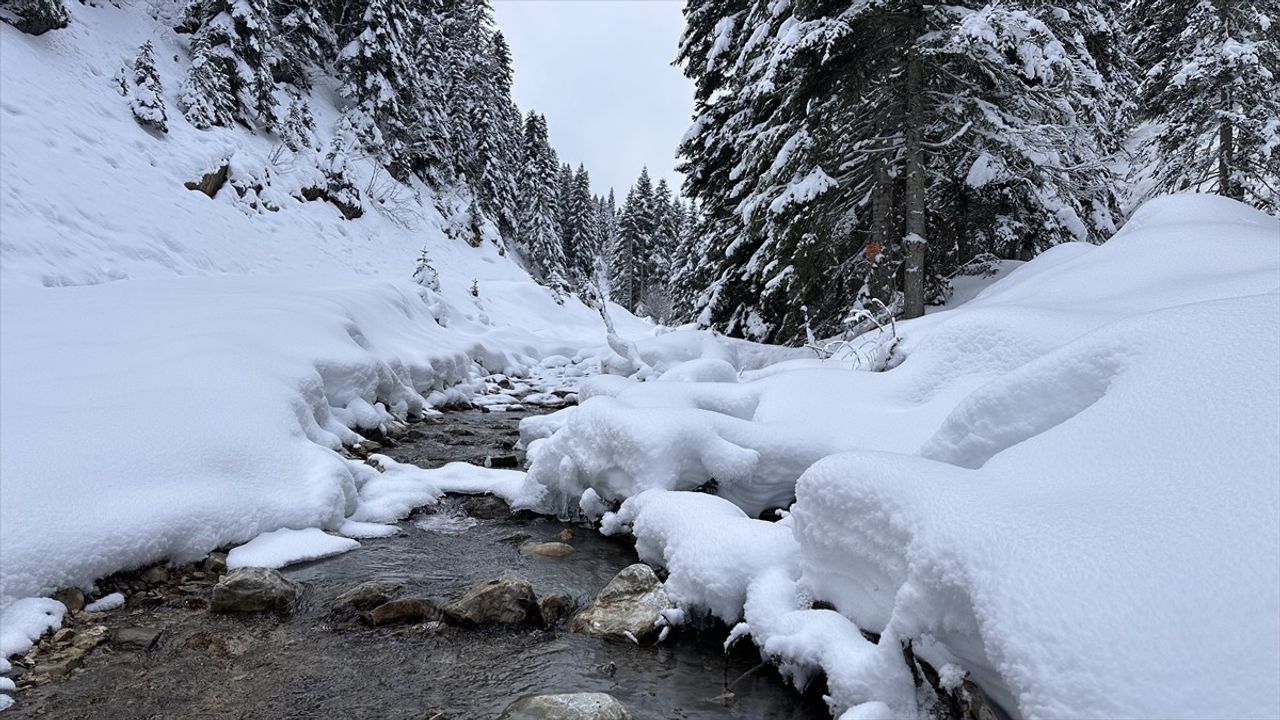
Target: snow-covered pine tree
x=496, y=127
x=823, y=142
x=1210, y=73
x=142, y=88
x=665, y=231
x=380, y=79
x=581, y=231
x=231, y=77
x=305, y=39
x=34, y=17
x=629, y=261
x=538, y=230
x=298, y=131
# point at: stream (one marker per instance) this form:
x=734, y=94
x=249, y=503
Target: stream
x=311, y=664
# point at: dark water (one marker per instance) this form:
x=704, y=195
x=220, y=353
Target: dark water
x=309, y=666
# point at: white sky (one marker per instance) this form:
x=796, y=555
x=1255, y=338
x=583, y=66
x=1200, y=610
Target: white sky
x=600, y=70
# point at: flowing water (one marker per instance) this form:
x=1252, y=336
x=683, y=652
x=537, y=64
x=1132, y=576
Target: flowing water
x=309, y=665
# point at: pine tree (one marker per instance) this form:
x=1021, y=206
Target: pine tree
x=231, y=76
x=380, y=78
x=305, y=38
x=581, y=232
x=141, y=85
x=630, y=261
x=1209, y=88
x=828, y=131
x=538, y=230
x=34, y=17
x=298, y=131
x=496, y=124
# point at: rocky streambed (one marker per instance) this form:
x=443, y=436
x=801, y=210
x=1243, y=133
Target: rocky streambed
x=419, y=625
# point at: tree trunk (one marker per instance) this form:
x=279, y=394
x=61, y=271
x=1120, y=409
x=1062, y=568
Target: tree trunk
x=916, y=225
x=878, y=250
x=1226, y=133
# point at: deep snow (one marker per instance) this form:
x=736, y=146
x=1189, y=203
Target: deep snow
x=1067, y=489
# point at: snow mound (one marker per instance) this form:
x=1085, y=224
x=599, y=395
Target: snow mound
x=285, y=546
x=1066, y=491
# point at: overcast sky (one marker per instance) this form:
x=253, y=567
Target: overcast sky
x=600, y=70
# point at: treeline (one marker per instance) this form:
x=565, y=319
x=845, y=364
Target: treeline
x=854, y=156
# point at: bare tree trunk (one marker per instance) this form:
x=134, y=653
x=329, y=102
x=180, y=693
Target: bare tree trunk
x=916, y=226
x=1226, y=133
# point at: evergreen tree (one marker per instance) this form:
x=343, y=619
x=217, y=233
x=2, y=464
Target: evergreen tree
x=496, y=124
x=298, y=131
x=580, y=229
x=630, y=264
x=828, y=130
x=305, y=38
x=231, y=76
x=141, y=85
x=538, y=230
x=1209, y=87
x=380, y=79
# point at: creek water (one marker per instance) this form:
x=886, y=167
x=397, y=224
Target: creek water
x=309, y=665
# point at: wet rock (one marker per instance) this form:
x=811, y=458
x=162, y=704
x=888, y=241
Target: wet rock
x=254, y=589
x=504, y=600
x=73, y=598
x=566, y=535
x=155, y=575
x=554, y=607
x=69, y=648
x=517, y=538
x=366, y=596
x=569, y=706
x=365, y=448
x=628, y=605
x=406, y=610
x=554, y=550
x=486, y=507
x=216, y=563
x=136, y=638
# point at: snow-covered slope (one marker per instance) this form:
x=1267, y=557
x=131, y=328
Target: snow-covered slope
x=1069, y=489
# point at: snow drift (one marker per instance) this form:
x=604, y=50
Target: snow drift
x=1067, y=491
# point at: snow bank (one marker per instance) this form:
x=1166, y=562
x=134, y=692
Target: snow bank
x=1067, y=490
x=286, y=546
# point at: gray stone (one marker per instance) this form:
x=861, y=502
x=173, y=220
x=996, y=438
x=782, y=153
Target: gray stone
x=406, y=610
x=569, y=706
x=216, y=563
x=366, y=596
x=254, y=589
x=503, y=600
x=554, y=550
x=554, y=607
x=486, y=507
x=136, y=638
x=73, y=598
x=630, y=603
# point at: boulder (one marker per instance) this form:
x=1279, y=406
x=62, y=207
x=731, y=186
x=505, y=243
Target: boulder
x=254, y=589
x=405, y=610
x=504, y=600
x=554, y=607
x=568, y=706
x=211, y=182
x=546, y=549
x=628, y=606
x=366, y=596
x=216, y=563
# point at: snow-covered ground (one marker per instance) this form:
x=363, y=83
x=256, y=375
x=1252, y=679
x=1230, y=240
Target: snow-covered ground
x=1069, y=489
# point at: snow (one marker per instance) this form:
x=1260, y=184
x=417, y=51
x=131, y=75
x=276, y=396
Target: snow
x=106, y=603
x=1066, y=491
x=286, y=546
